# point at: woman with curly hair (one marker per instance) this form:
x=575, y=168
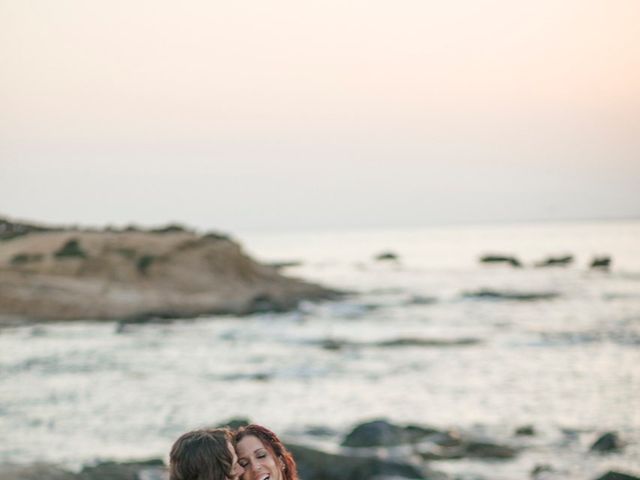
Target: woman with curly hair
x=262, y=455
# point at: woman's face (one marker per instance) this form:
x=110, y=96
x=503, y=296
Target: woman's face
x=258, y=460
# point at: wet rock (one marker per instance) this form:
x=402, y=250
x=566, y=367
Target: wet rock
x=602, y=262
x=320, y=431
x=381, y=433
x=421, y=300
x=541, y=469
x=505, y=259
x=150, y=469
x=34, y=472
x=387, y=256
x=447, y=439
x=376, y=433
x=334, y=344
x=510, y=295
x=607, y=442
x=613, y=475
x=417, y=432
x=525, y=431
x=318, y=465
x=285, y=264
x=489, y=450
x=140, y=470
x=427, y=342
x=459, y=448
x=555, y=261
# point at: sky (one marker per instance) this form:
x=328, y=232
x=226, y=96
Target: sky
x=254, y=115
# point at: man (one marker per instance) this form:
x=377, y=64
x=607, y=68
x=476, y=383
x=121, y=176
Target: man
x=205, y=454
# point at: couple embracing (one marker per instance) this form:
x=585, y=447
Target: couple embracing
x=250, y=453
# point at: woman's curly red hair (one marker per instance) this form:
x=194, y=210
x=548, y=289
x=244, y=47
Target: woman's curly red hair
x=270, y=440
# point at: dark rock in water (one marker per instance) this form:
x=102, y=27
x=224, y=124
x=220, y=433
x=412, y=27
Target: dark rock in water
x=142, y=470
x=320, y=431
x=381, y=433
x=607, y=442
x=34, y=472
x=318, y=465
x=540, y=469
x=489, y=450
x=507, y=259
x=509, y=295
x=427, y=342
x=603, y=262
x=613, y=475
x=555, y=261
x=285, y=264
x=462, y=448
x=447, y=439
x=421, y=300
x=334, y=344
x=377, y=433
x=525, y=430
x=235, y=423
x=387, y=256
x=416, y=432
x=150, y=469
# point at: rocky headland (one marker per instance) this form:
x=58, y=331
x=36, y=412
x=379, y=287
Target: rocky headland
x=50, y=273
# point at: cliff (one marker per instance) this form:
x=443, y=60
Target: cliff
x=74, y=274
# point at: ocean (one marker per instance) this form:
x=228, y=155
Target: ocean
x=432, y=337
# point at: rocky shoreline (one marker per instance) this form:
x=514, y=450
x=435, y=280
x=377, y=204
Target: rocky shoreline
x=375, y=449
x=130, y=275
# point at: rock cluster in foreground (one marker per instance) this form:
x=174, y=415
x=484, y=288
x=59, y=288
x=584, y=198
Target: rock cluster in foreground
x=71, y=274
x=375, y=450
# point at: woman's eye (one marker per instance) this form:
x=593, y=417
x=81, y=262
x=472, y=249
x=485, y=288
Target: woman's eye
x=261, y=455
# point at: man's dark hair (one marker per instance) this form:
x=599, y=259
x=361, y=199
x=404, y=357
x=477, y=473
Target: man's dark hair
x=201, y=455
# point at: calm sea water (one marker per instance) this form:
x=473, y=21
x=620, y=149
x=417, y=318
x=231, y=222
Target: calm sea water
x=568, y=365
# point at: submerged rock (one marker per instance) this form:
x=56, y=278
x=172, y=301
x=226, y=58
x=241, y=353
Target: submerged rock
x=426, y=342
x=39, y=471
x=613, y=475
x=339, y=344
x=318, y=465
x=607, y=442
x=466, y=448
x=602, y=262
x=376, y=433
x=141, y=470
x=488, y=450
x=147, y=470
x=555, y=261
x=387, y=256
x=525, y=430
x=510, y=295
x=504, y=259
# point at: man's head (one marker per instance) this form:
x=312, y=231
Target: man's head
x=205, y=454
